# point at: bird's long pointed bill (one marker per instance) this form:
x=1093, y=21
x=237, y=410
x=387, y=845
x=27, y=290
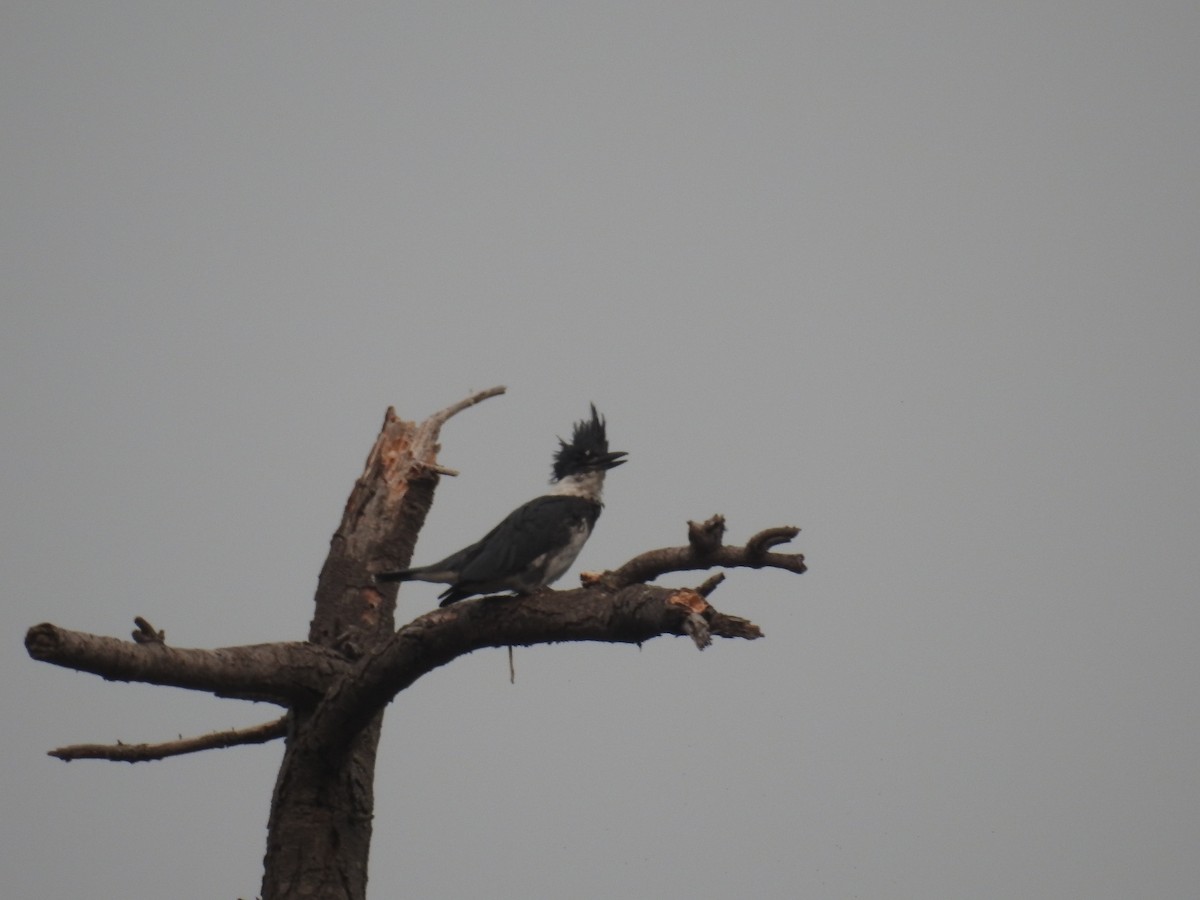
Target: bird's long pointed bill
x=614, y=459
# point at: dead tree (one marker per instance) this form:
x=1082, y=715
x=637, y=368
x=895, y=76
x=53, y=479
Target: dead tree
x=334, y=686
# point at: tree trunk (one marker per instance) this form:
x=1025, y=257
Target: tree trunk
x=319, y=831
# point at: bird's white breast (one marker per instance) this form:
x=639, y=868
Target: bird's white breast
x=559, y=561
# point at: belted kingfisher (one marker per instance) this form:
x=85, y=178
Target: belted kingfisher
x=537, y=542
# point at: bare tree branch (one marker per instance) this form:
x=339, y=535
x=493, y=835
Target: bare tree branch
x=285, y=673
x=425, y=446
x=615, y=607
x=703, y=552
x=424, y=443
x=758, y=545
x=132, y=753
x=635, y=614
x=439, y=418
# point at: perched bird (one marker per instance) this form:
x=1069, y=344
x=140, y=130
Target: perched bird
x=537, y=542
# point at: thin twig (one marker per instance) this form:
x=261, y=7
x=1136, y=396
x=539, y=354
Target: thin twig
x=439, y=418
x=146, y=633
x=131, y=753
x=424, y=446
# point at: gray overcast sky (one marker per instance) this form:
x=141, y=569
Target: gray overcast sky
x=921, y=278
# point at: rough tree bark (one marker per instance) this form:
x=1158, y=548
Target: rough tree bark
x=335, y=685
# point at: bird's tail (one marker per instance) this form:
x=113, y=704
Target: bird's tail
x=402, y=575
